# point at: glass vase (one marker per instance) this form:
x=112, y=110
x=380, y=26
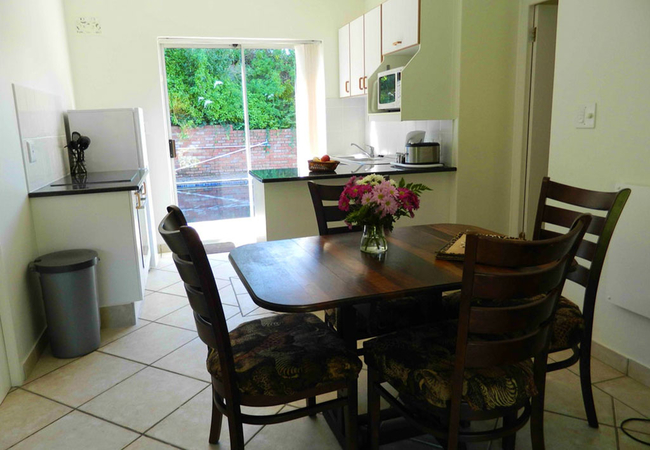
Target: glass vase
x=373, y=240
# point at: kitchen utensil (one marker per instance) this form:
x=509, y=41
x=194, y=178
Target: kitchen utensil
x=422, y=153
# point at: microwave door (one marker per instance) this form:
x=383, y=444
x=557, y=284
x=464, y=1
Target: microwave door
x=387, y=86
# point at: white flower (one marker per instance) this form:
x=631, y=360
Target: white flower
x=372, y=180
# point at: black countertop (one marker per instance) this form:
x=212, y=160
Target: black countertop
x=94, y=183
x=344, y=170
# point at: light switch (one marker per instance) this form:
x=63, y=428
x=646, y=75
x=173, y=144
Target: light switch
x=31, y=150
x=586, y=116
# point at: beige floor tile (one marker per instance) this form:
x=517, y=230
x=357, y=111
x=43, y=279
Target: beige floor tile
x=175, y=289
x=165, y=261
x=306, y=433
x=109, y=335
x=238, y=286
x=47, y=363
x=184, y=318
x=145, y=443
x=227, y=296
x=144, y=399
x=564, y=396
x=246, y=304
x=159, y=304
x=625, y=412
x=189, y=426
x=566, y=433
x=639, y=372
x=630, y=392
x=627, y=443
x=160, y=279
x=219, y=257
x=188, y=360
x=223, y=270
x=84, y=379
x=23, y=413
x=78, y=431
x=150, y=343
x=599, y=371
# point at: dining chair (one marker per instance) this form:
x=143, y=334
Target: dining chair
x=573, y=328
x=490, y=362
x=374, y=318
x=264, y=362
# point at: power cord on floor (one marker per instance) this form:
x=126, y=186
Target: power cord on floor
x=634, y=419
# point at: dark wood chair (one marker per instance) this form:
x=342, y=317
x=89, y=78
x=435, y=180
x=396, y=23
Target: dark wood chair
x=573, y=328
x=264, y=362
x=375, y=318
x=491, y=361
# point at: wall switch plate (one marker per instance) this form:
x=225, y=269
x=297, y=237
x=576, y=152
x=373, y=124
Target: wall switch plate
x=586, y=116
x=31, y=150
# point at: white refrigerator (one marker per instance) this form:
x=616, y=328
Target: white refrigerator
x=117, y=142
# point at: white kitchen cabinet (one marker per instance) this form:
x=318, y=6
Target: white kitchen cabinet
x=371, y=43
x=400, y=22
x=344, y=61
x=357, y=71
x=359, y=52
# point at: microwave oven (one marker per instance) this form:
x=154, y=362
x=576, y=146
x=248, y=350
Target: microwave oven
x=389, y=90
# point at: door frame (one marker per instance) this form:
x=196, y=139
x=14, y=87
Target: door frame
x=521, y=112
x=8, y=344
x=196, y=42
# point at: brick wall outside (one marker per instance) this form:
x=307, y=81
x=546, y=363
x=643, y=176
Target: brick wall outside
x=200, y=144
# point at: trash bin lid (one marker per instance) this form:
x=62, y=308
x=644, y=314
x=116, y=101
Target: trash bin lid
x=66, y=261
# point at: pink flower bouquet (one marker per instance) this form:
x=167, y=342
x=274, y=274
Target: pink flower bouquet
x=375, y=201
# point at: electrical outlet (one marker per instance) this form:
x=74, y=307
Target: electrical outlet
x=31, y=150
x=586, y=116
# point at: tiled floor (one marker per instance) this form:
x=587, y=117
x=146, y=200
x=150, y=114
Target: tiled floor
x=147, y=388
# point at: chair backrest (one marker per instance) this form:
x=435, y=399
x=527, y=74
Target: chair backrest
x=326, y=214
x=510, y=291
x=195, y=271
x=602, y=228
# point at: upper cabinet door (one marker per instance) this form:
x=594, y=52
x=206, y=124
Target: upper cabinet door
x=372, y=43
x=400, y=20
x=357, y=72
x=344, y=61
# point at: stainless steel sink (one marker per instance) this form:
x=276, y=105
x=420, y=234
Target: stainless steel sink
x=361, y=159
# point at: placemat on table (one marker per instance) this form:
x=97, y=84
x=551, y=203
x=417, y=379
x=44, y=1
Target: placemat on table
x=454, y=250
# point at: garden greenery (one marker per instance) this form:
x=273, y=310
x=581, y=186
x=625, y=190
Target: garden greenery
x=205, y=87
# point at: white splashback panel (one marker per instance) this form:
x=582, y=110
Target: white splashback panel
x=627, y=266
x=40, y=122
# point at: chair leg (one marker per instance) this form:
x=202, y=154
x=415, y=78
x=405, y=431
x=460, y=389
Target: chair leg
x=215, y=425
x=585, y=384
x=235, y=428
x=537, y=422
x=351, y=419
x=374, y=419
x=311, y=401
x=508, y=442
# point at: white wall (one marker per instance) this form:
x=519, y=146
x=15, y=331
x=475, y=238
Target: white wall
x=34, y=54
x=120, y=67
x=603, y=56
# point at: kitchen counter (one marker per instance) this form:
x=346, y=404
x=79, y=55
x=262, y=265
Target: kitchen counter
x=344, y=170
x=284, y=210
x=94, y=183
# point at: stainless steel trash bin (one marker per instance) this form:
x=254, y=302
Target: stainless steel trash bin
x=69, y=286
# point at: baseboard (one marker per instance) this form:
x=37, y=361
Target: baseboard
x=32, y=359
x=629, y=367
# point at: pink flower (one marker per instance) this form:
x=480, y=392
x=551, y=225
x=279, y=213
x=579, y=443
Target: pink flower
x=366, y=198
x=387, y=206
x=344, y=202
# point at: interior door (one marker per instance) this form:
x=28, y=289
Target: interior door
x=541, y=104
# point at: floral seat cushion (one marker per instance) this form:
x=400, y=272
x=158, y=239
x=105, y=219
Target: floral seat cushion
x=419, y=363
x=568, y=328
x=285, y=354
x=385, y=316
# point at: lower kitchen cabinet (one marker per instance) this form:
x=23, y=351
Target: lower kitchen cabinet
x=115, y=225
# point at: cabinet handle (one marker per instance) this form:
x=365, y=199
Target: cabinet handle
x=365, y=86
x=347, y=86
x=397, y=43
x=144, y=187
x=138, y=201
x=361, y=83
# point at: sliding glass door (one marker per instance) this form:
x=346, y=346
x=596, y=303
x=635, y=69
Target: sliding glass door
x=231, y=109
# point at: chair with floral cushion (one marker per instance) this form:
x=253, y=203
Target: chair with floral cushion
x=490, y=362
x=375, y=318
x=265, y=362
x=573, y=328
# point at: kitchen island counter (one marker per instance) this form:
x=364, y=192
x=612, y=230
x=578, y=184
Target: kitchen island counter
x=94, y=183
x=283, y=208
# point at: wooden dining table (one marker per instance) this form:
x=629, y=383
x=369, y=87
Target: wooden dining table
x=321, y=272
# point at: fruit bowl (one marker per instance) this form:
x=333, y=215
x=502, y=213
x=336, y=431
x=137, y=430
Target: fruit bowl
x=323, y=166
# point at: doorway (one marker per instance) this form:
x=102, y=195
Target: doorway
x=534, y=104
x=231, y=109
